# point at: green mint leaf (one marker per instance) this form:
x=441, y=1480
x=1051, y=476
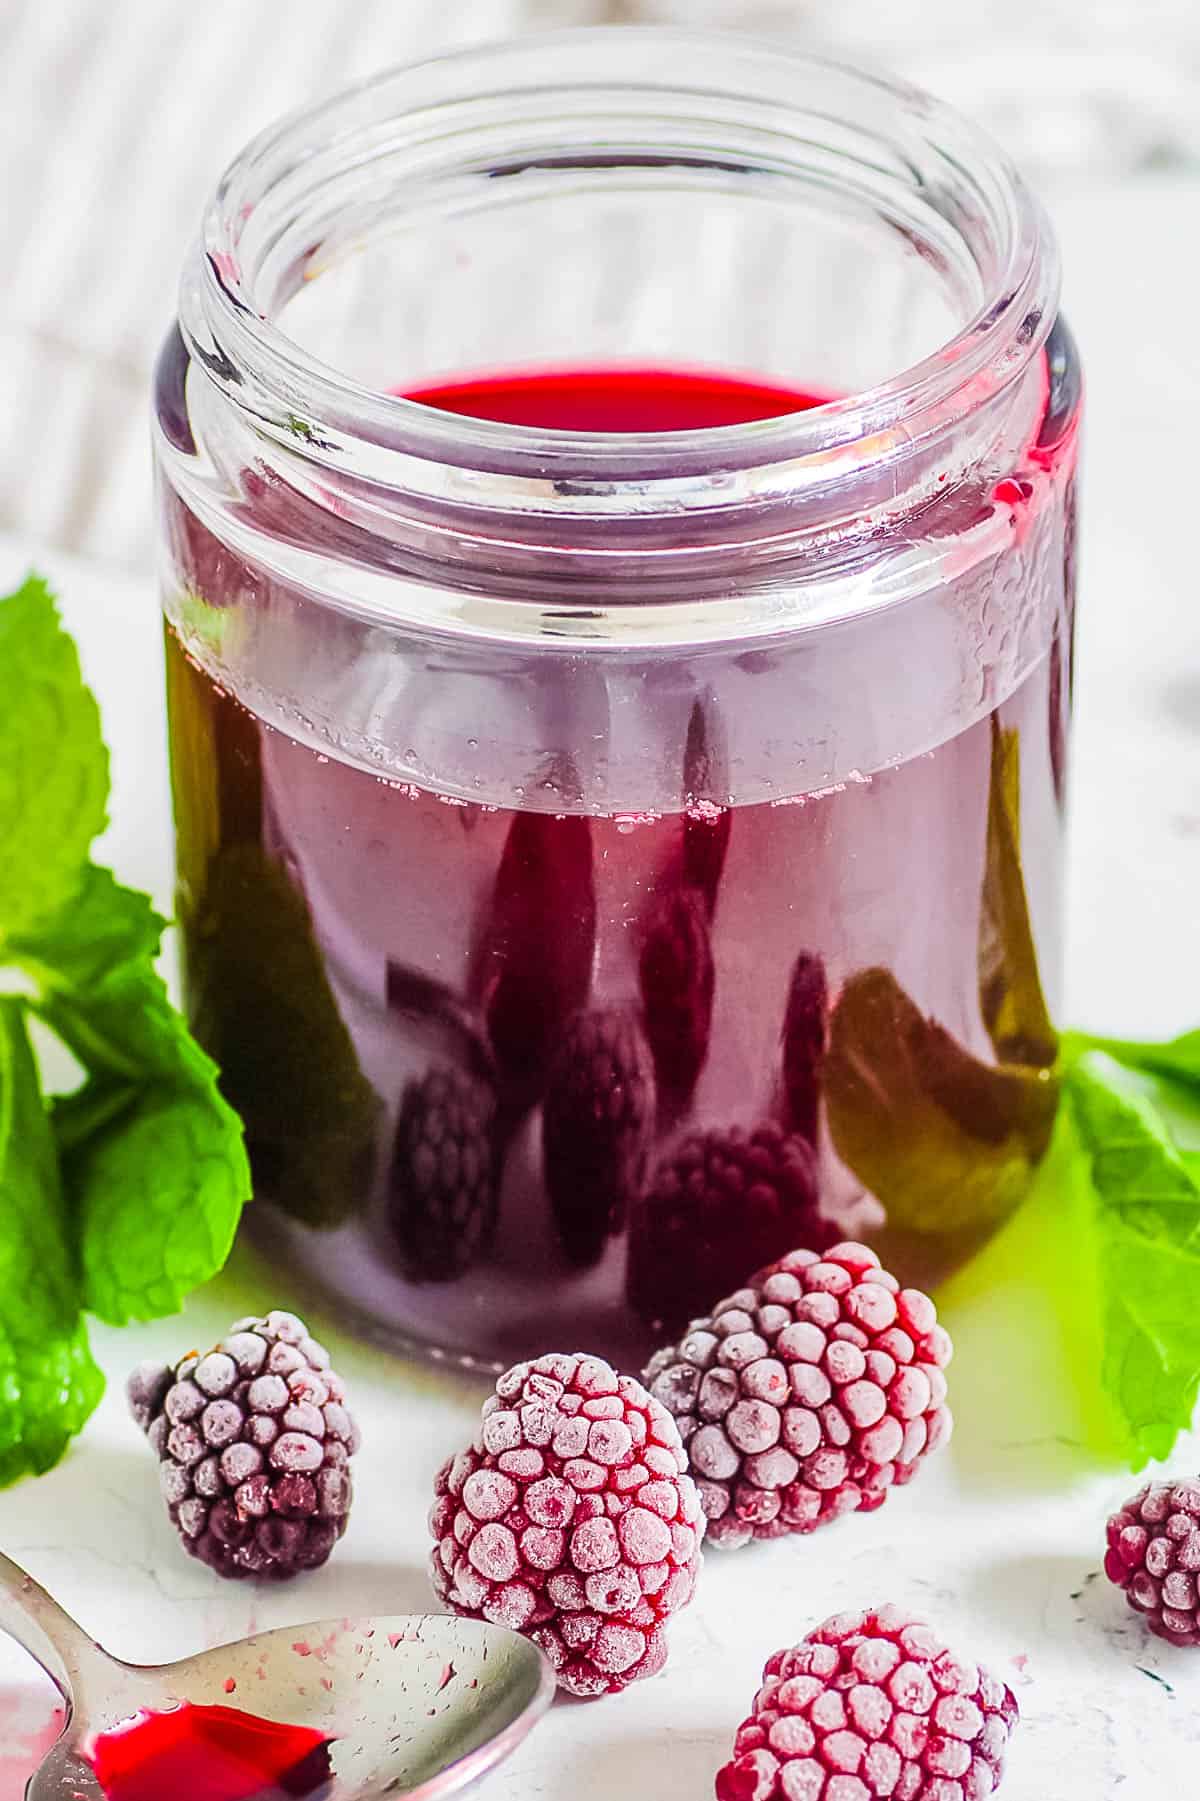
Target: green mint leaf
x=125, y=1031
x=103, y=924
x=91, y=1108
x=1041, y=1383
x=159, y=1189
x=1176, y=1058
x=262, y=999
x=125, y=1195
x=153, y=1162
x=49, y=1384
x=1147, y=1240
x=1010, y=985
x=53, y=764
x=1137, y=1168
x=947, y=1143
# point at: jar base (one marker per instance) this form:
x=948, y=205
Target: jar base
x=335, y=1273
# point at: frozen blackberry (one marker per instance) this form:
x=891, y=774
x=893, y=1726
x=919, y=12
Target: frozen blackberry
x=805, y=1025
x=720, y=1206
x=596, y=1121
x=807, y=1395
x=571, y=1519
x=254, y=1444
x=535, y=964
x=443, y=1187
x=1154, y=1555
x=871, y=1707
x=677, y=977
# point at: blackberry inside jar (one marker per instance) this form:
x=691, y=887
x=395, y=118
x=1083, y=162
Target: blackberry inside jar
x=619, y=650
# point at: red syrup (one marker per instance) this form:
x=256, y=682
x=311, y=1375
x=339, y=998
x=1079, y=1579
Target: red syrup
x=614, y=400
x=413, y=991
x=210, y=1754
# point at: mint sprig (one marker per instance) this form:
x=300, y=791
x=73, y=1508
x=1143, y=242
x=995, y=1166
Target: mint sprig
x=48, y=1381
x=947, y=1142
x=150, y=1155
x=1178, y=1059
x=1144, y=1221
x=121, y=1197
x=951, y=1145
x=53, y=764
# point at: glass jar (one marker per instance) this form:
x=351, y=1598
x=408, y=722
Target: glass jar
x=619, y=846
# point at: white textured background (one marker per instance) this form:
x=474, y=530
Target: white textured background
x=117, y=115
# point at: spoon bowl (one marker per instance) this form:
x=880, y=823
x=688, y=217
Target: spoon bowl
x=418, y=1705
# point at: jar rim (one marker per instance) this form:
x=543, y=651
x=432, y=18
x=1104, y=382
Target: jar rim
x=312, y=409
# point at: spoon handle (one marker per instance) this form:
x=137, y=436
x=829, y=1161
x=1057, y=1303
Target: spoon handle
x=52, y=1638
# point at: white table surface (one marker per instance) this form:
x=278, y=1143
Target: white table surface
x=999, y=1541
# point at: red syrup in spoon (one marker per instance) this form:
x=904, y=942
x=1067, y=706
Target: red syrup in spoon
x=614, y=400
x=210, y=1754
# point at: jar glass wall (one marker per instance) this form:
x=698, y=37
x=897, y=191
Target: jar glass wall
x=619, y=795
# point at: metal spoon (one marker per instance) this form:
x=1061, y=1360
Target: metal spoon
x=421, y=1705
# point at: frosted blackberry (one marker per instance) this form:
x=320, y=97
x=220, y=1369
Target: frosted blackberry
x=677, y=977
x=806, y=1395
x=719, y=1207
x=254, y=1445
x=571, y=1519
x=443, y=1183
x=1154, y=1555
x=805, y=1026
x=871, y=1707
x=535, y=964
x=596, y=1120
